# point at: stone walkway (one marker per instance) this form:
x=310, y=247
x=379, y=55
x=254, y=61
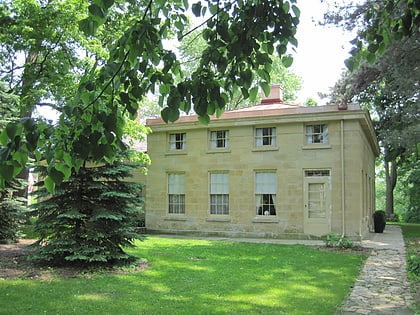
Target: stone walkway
x=382, y=287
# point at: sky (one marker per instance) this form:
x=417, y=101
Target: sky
x=321, y=52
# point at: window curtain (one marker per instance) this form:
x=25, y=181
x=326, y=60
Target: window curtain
x=213, y=139
x=265, y=183
x=219, y=183
x=259, y=137
x=309, y=134
x=172, y=142
x=176, y=184
x=324, y=133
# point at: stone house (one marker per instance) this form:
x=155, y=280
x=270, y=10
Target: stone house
x=272, y=170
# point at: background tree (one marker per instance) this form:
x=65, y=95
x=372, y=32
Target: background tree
x=241, y=39
x=388, y=85
x=94, y=63
x=12, y=207
x=192, y=46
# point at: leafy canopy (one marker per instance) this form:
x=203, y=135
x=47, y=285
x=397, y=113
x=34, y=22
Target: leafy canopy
x=241, y=38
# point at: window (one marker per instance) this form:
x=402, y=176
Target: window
x=317, y=173
x=265, y=193
x=219, y=193
x=317, y=134
x=219, y=139
x=176, y=193
x=265, y=136
x=177, y=141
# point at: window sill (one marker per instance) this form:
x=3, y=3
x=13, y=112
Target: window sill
x=267, y=219
x=175, y=217
x=218, y=150
x=316, y=146
x=219, y=219
x=265, y=148
x=176, y=152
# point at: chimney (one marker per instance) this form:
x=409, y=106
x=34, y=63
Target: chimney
x=275, y=96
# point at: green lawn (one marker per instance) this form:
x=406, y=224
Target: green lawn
x=411, y=233
x=198, y=277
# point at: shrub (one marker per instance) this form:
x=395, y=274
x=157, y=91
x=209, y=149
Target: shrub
x=337, y=240
x=413, y=264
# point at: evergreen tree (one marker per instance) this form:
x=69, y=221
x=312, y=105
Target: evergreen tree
x=12, y=207
x=90, y=218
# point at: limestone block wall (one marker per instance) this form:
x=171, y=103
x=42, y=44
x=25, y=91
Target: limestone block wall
x=289, y=158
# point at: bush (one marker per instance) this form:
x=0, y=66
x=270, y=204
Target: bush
x=336, y=240
x=413, y=264
x=412, y=215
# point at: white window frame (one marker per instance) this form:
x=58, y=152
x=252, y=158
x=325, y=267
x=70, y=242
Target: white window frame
x=219, y=139
x=219, y=193
x=177, y=141
x=316, y=134
x=266, y=193
x=176, y=193
x=265, y=137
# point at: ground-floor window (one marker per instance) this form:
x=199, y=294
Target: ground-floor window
x=219, y=193
x=176, y=193
x=265, y=192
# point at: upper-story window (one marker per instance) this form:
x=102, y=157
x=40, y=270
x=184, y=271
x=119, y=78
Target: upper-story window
x=177, y=141
x=265, y=136
x=176, y=193
x=219, y=139
x=316, y=134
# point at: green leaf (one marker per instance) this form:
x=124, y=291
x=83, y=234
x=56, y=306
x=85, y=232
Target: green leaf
x=3, y=137
x=287, y=61
x=106, y=3
x=66, y=170
x=49, y=184
x=11, y=130
x=253, y=92
x=21, y=158
x=371, y=58
x=170, y=114
x=349, y=64
x=196, y=9
x=6, y=172
x=97, y=12
x=56, y=175
x=204, y=119
x=88, y=26
x=296, y=11
x=266, y=88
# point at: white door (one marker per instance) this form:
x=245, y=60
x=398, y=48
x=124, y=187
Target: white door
x=317, y=205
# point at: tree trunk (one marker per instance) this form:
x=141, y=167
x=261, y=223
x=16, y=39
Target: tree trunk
x=391, y=180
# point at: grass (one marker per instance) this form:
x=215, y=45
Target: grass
x=198, y=277
x=411, y=234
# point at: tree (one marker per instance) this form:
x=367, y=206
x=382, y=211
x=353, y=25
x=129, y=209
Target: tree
x=12, y=207
x=132, y=61
x=192, y=47
x=379, y=25
x=389, y=87
x=90, y=218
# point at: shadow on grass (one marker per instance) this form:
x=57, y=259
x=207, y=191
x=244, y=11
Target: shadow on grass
x=198, y=277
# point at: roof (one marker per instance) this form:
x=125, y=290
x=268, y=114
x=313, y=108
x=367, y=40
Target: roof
x=259, y=111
